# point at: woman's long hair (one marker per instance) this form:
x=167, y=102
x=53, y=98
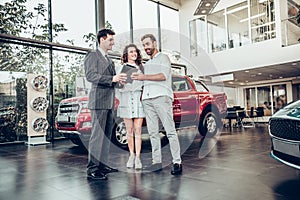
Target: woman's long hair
x=138, y=61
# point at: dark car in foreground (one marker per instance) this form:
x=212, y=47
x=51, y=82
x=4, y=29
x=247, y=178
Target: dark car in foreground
x=284, y=129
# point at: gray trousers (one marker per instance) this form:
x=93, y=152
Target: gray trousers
x=161, y=108
x=99, y=143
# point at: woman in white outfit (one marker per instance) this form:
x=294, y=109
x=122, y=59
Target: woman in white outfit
x=130, y=106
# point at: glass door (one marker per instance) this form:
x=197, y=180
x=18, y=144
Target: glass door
x=279, y=96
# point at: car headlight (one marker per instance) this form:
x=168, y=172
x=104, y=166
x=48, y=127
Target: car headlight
x=86, y=124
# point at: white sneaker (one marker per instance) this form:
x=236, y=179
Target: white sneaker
x=130, y=162
x=138, y=163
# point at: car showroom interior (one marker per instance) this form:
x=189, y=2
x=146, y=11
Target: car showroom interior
x=215, y=83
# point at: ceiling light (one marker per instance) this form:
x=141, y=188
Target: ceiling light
x=294, y=64
x=247, y=71
x=207, y=4
x=259, y=73
x=280, y=77
x=203, y=11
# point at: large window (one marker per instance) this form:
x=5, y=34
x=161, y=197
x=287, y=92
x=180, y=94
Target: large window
x=73, y=24
x=264, y=99
x=78, y=18
x=198, y=35
x=234, y=26
x=279, y=96
x=119, y=20
x=270, y=97
x=144, y=20
x=250, y=94
x=216, y=31
x=237, y=20
x=262, y=19
x=290, y=23
x=169, y=29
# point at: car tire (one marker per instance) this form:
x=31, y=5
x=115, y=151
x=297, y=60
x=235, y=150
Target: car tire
x=209, y=123
x=119, y=132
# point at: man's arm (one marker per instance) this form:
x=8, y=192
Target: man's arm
x=92, y=75
x=148, y=77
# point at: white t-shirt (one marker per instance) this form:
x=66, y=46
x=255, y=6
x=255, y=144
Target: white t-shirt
x=160, y=63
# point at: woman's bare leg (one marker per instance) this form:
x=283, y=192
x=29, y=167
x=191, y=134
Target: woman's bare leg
x=129, y=135
x=137, y=124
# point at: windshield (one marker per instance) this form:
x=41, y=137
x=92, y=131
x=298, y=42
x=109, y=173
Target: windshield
x=200, y=87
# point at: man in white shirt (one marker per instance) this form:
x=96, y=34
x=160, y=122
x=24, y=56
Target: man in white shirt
x=157, y=102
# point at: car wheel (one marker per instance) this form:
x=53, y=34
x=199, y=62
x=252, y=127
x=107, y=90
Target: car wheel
x=209, y=124
x=119, y=137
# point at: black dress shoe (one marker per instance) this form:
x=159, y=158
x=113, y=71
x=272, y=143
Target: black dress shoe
x=97, y=175
x=106, y=169
x=176, y=169
x=156, y=167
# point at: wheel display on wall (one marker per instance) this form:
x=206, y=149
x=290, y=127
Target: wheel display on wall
x=39, y=83
x=39, y=104
x=40, y=124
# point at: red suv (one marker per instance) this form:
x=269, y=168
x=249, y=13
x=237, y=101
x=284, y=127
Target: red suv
x=193, y=105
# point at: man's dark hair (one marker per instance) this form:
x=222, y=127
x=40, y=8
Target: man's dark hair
x=103, y=33
x=151, y=36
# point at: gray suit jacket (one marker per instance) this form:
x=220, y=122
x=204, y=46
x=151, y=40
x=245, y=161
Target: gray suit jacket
x=100, y=73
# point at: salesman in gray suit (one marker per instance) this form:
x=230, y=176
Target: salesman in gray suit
x=100, y=71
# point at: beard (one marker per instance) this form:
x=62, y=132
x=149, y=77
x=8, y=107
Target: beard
x=149, y=51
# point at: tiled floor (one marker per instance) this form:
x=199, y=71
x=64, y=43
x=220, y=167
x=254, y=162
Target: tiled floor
x=234, y=165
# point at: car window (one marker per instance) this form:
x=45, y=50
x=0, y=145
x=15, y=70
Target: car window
x=180, y=84
x=200, y=87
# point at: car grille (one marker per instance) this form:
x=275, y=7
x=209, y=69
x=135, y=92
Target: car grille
x=66, y=124
x=69, y=108
x=285, y=128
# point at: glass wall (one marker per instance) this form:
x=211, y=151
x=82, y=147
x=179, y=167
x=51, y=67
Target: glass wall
x=279, y=96
x=250, y=96
x=216, y=31
x=296, y=91
x=234, y=26
x=270, y=97
x=290, y=23
x=237, y=20
x=16, y=62
x=198, y=35
x=169, y=30
x=27, y=50
x=24, y=18
x=143, y=24
x=75, y=21
x=121, y=25
x=262, y=19
x=264, y=99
